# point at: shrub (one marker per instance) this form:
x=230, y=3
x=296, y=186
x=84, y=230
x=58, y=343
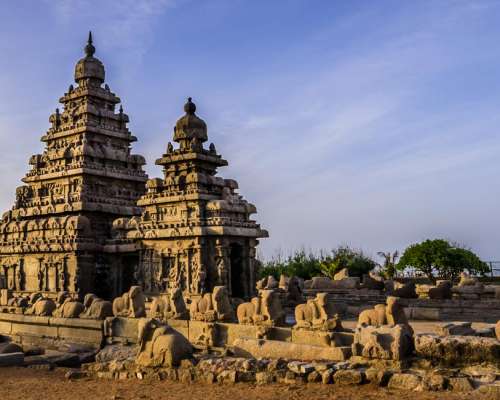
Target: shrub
x=307, y=265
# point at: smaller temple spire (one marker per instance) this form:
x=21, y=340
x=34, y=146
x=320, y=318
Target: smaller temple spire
x=89, y=48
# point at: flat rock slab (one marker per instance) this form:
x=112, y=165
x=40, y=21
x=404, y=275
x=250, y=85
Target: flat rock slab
x=257, y=348
x=11, y=359
x=458, y=350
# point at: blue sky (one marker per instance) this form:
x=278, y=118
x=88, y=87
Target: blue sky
x=368, y=123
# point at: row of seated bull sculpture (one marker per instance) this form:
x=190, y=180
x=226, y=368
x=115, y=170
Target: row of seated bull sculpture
x=130, y=304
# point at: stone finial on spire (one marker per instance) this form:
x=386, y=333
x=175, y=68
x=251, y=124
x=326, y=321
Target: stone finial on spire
x=89, y=48
x=190, y=107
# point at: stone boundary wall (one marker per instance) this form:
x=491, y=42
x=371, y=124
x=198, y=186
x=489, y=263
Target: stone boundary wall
x=470, y=310
x=483, y=310
x=230, y=334
x=51, y=331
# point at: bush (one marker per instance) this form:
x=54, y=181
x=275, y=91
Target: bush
x=299, y=264
x=307, y=265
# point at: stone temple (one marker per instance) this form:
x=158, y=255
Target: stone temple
x=89, y=220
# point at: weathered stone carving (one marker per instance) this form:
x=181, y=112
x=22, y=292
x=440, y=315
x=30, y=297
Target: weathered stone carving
x=442, y=290
x=206, y=338
x=383, y=332
x=317, y=314
x=391, y=313
x=342, y=274
x=67, y=307
x=96, y=308
x=265, y=309
x=212, y=307
x=404, y=290
x=468, y=287
x=373, y=317
x=170, y=306
x=161, y=345
x=386, y=342
x=19, y=301
x=467, y=280
x=40, y=306
x=373, y=281
x=131, y=304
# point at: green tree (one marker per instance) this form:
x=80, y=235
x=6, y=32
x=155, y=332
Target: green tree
x=439, y=258
x=389, y=265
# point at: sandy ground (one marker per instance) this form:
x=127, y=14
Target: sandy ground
x=27, y=384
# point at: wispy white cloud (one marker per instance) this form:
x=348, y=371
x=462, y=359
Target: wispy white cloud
x=370, y=130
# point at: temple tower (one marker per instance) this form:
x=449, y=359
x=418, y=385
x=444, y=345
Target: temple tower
x=53, y=237
x=195, y=231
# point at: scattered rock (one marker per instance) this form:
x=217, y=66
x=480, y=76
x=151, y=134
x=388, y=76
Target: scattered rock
x=314, y=377
x=492, y=391
x=348, y=377
x=404, y=381
x=263, y=378
x=42, y=367
x=434, y=382
x=75, y=374
x=488, y=378
x=116, y=352
x=323, y=366
x=379, y=377
x=455, y=328
x=460, y=384
x=327, y=376
x=456, y=351
x=209, y=378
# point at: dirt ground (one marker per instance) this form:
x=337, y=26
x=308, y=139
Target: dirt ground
x=27, y=384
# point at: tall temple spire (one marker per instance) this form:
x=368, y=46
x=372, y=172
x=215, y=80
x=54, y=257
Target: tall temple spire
x=84, y=179
x=89, y=48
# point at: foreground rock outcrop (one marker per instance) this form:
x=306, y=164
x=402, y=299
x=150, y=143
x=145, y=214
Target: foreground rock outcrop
x=454, y=351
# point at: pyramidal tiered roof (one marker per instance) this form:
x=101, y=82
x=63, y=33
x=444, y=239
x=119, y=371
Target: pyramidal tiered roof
x=85, y=178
